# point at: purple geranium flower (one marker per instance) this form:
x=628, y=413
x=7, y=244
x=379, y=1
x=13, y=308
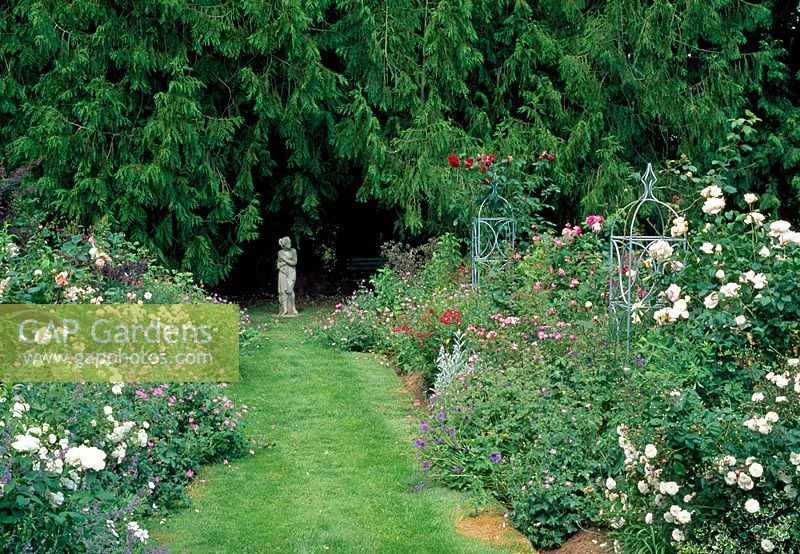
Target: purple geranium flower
x=419, y=443
x=495, y=457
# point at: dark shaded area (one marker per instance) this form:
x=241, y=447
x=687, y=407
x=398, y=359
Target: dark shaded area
x=349, y=229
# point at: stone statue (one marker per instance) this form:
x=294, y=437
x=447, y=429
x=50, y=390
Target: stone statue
x=287, y=275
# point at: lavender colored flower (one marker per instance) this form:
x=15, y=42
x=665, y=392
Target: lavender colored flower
x=458, y=469
x=441, y=415
x=424, y=426
x=426, y=465
x=419, y=443
x=495, y=457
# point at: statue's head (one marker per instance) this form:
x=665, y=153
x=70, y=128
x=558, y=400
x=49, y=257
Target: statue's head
x=285, y=242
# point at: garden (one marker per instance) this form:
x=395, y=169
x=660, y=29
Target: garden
x=85, y=464
x=681, y=437
x=545, y=257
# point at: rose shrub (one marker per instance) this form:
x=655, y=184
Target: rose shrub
x=717, y=402
x=690, y=445
x=81, y=464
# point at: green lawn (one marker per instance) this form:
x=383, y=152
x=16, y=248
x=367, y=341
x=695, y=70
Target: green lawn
x=339, y=476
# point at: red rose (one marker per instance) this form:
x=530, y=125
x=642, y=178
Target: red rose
x=551, y=157
x=469, y=162
x=453, y=160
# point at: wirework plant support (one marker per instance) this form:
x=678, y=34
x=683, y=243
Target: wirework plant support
x=634, y=272
x=493, y=232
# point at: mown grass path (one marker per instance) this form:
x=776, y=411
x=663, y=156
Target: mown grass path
x=339, y=476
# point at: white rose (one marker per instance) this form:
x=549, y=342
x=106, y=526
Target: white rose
x=108, y=410
x=713, y=206
x=673, y=292
x=611, y=484
x=756, y=469
x=740, y=320
x=730, y=478
x=677, y=535
x=750, y=197
x=19, y=408
x=711, y=301
x=752, y=506
x=707, y=248
x=116, y=389
x=141, y=437
x=88, y=457
x=643, y=487
x=777, y=228
x=720, y=274
x=744, y=482
x=679, y=227
x=756, y=218
x=56, y=499
x=679, y=310
x=764, y=252
x=26, y=443
x=648, y=518
x=650, y=451
x=731, y=290
x=660, y=250
x=711, y=191
x=669, y=487
x=757, y=397
x=767, y=545
x=759, y=280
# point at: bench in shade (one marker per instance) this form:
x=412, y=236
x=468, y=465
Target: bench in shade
x=364, y=264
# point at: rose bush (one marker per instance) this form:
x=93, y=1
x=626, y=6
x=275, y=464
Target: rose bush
x=81, y=464
x=690, y=445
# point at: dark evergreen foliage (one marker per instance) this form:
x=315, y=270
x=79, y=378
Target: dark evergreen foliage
x=188, y=123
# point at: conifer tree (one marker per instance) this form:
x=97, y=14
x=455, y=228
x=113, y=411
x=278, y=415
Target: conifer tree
x=189, y=124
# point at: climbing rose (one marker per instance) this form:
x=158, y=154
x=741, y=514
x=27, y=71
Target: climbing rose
x=453, y=160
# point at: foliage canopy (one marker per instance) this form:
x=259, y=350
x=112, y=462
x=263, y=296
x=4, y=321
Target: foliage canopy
x=190, y=123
